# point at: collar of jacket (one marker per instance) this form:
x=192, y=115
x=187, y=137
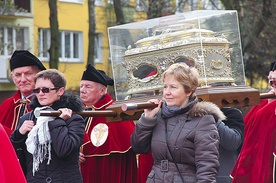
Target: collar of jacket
x=103, y=103
x=206, y=108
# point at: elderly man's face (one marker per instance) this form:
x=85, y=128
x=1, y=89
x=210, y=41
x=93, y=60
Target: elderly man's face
x=23, y=78
x=91, y=92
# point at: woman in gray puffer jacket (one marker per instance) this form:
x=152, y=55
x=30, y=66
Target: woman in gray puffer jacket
x=182, y=135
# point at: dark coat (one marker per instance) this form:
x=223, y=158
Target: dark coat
x=231, y=138
x=193, y=140
x=66, y=136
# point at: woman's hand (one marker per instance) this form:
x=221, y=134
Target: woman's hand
x=65, y=113
x=26, y=127
x=150, y=113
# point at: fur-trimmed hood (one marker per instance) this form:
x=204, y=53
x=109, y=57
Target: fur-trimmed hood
x=204, y=108
x=67, y=100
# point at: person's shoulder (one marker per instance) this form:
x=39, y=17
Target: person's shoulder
x=76, y=121
x=206, y=108
x=78, y=117
x=231, y=111
x=8, y=101
x=69, y=100
x=12, y=98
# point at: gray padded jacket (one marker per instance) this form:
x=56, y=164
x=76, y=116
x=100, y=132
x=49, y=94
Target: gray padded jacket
x=192, y=138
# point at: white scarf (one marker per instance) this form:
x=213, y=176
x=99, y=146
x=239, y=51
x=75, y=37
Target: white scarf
x=39, y=140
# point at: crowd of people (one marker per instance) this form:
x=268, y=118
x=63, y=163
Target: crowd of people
x=181, y=140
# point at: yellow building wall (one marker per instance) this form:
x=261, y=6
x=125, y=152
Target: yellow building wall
x=71, y=17
x=74, y=17
x=101, y=27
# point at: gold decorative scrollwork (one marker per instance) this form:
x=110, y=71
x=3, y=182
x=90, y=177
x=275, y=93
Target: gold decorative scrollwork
x=216, y=64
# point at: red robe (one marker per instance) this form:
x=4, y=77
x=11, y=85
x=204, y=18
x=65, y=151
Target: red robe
x=113, y=161
x=10, y=109
x=256, y=159
x=145, y=163
x=10, y=169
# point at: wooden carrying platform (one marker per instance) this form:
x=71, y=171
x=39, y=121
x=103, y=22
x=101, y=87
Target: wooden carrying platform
x=230, y=96
x=225, y=96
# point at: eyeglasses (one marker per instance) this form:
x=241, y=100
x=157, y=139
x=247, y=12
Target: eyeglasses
x=44, y=90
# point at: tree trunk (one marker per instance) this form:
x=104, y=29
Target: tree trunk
x=266, y=14
x=261, y=22
x=55, y=39
x=120, y=18
x=91, y=32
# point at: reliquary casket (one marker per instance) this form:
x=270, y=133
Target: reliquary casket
x=207, y=40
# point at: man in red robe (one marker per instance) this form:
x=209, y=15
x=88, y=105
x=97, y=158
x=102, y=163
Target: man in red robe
x=106, y=154
x=24, y=66
x=10, y=170
x=256, y=160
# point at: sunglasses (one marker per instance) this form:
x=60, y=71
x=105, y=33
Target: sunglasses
x=44, y=90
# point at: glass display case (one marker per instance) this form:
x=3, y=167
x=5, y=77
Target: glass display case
x=206, y=39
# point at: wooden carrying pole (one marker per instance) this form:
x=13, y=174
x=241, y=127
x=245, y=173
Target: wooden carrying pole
x=136, y=106
x=124, y=110
x=104, y=113
x=267, y=95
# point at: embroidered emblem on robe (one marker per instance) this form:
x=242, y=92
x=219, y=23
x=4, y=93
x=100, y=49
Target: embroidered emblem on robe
x=99, y=134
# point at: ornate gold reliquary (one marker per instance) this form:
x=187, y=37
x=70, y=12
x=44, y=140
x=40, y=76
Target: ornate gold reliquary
x=207, y=40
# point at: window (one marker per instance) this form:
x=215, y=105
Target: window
x=98, y=48
x=44, y=43
x=70, y=45
x=26, y=4
x=13, y=38
x=71, y=42
x=20, y=39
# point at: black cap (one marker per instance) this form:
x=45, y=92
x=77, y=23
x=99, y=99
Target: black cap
x=272, y=66
x=98, y=76
x=21, y=58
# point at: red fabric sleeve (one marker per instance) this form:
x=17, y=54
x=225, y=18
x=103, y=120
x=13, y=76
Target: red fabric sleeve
x=10, y=170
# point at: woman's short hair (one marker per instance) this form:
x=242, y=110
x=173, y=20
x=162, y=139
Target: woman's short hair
x=55, y=76
x=187, y=76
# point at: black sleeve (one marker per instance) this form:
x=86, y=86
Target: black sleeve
x=67, y=136
x=18, y=141
x=234, y=120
